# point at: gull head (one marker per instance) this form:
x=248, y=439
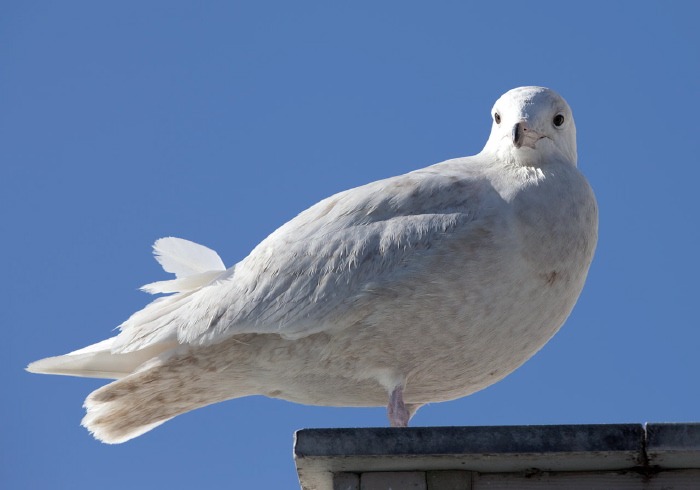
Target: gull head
x=532, y=124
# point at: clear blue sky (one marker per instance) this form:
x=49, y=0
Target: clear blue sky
x=122, y=122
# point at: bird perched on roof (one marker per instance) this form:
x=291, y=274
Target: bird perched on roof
x=419, y=288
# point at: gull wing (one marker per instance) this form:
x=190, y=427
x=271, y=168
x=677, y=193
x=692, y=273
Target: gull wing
x=312, y=271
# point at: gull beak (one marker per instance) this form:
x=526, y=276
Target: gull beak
x=522, y=135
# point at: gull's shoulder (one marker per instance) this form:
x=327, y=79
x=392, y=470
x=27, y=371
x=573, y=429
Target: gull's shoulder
x=445, y=185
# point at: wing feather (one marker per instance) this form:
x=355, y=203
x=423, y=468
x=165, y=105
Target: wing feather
x=185, y=258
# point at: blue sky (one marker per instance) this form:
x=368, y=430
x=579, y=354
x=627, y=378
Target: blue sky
x=122, y=122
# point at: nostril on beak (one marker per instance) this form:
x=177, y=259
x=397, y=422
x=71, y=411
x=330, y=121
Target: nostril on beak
x=517, y=134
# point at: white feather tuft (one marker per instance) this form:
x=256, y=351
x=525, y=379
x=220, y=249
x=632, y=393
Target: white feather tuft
x=185, y=258
x=182, y=284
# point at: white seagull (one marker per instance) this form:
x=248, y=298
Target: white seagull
x=419, y=288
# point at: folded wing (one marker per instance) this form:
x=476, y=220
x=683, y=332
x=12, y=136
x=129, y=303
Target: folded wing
x=317, y=265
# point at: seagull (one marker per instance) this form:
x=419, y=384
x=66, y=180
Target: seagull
x=420, y=288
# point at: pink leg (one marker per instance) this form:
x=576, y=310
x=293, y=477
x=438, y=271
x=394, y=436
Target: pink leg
x=396, y=410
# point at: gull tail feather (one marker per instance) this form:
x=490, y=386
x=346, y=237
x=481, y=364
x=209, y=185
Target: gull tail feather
x=171, y=384
x=97, y=361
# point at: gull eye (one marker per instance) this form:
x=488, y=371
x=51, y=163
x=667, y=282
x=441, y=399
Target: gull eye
x=558, y=120
x=497, y=118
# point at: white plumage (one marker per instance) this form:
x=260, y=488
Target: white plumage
x=193, y=264
x=420, y=288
